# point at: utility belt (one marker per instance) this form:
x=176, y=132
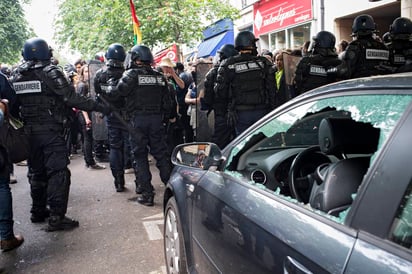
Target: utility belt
x=33, y=129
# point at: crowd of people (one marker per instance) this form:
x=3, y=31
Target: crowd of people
x=149, y=109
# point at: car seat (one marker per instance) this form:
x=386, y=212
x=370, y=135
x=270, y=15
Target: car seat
x=342, y=137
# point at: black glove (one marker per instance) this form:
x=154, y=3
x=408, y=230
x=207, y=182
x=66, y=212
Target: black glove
x=231, y=118
x=106, y=110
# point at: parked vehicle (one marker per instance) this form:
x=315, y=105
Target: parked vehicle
x=320, y=185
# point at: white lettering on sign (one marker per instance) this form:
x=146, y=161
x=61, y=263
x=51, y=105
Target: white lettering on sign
x=280, y=17
x=317, y=70
x=377, y=54
x=27, y=87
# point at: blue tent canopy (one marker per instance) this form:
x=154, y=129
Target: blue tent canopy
x=210, y=46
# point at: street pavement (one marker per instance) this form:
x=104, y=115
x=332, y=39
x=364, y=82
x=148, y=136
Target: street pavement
x=116, y=234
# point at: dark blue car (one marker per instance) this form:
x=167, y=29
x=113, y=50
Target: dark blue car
x=320, y=185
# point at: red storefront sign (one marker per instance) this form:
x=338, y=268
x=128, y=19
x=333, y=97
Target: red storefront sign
x=170, y=52
x=272, y=15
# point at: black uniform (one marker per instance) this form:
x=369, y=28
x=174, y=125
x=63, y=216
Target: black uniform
x=105, y=81
x=248, y=83
x=46, y=98
x=148, y=103
x=222, y=133
x=365, y=56
x=312, y=71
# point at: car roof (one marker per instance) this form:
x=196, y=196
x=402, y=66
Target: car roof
x=396, y=81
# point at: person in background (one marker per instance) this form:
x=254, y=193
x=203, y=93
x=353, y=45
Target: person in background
x=400, y=45
x=365, y=54
x=148, y=104
x=319, y=68
x=181, y=91
x=305, y=49
x=8, y=240
x=283, y=93
x=174, y=132
x=46, y=98
x=343, y=44
x=85, y=118
x=105, y=81
x=222, y=134
x=7, y=73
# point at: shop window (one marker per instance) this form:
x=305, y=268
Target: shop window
x=278, y=40
x=299, y=35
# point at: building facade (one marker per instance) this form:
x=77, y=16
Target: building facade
x=282, y=24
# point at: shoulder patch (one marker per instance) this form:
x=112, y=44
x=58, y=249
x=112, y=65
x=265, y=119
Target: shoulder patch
x=147, y=80
x=248, y=66
x=317, y=70
x=377, y=54
x=27, y=87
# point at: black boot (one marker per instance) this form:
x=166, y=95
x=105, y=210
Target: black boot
x=39, y=216
x=61, y=223
x=119, y=182
x=146, y=199
x=139, y=188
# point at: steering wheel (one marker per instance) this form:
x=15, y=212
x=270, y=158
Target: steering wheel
x=307, y=168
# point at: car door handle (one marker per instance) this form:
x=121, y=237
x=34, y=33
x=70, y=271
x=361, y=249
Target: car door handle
x=291, y=266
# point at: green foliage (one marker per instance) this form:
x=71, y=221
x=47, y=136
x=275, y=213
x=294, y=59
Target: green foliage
x=89, y=26
x=13, y=30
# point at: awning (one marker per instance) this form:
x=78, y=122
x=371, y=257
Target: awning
x=210, y=46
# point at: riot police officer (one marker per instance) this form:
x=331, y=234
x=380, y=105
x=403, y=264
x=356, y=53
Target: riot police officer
x=222, y=135
x=400, y=46
x=312, y=70
x=365, y=55
x=148, y=103
x=105, y=81
x=248, y=81
x=46, y=98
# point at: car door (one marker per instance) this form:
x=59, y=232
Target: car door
x=384, y=244
x=238, y=228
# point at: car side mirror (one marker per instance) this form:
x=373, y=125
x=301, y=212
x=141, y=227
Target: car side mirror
x=200, y=155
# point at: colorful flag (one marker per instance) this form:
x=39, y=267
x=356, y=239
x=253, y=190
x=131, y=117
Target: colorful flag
x=137, y=38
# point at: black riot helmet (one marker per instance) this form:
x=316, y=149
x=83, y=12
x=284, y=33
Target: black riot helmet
x=401, y=28
x=323, y=39
x=245, y=40
x=363, y=25
x=141, y=53
x=36, y=49
x=115, y=51
x=226, y=51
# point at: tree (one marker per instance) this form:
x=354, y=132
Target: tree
x=89, y=26
x=14, y=30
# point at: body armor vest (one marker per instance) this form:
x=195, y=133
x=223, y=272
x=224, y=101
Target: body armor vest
x=108, y=79
x=39, y=104
x=149, y=89
x=312, y=72
x=372, y=55
x=247, y=83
